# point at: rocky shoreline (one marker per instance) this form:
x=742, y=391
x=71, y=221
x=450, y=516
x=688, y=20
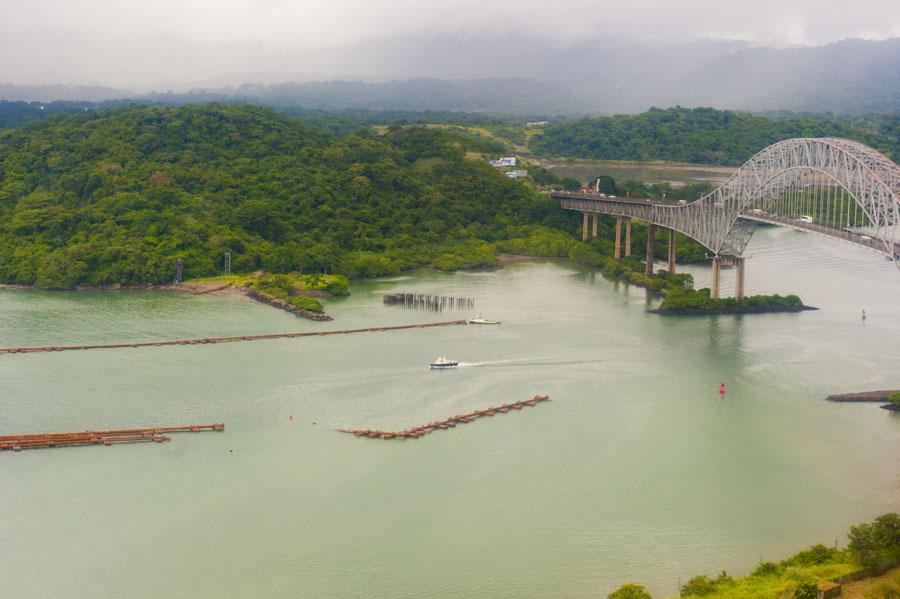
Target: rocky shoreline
x=882, y=397
x=277, y=303
x=732, y=310
x=195, y=288
x=863, y=396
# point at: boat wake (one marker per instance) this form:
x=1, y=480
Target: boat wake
x=528, y=362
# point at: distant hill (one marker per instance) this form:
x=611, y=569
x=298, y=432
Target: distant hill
x=117, y=196
x=16, y=113
x=702, y=135
x=60, y=92
x=527, y=76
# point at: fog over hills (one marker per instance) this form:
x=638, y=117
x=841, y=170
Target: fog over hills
x=519, y=75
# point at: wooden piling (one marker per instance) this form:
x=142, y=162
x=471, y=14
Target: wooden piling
x=107, y=437
x=451, y=422
x=433, y=303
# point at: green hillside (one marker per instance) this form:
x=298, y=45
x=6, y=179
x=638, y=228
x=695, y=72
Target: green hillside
x=117, y=196
x=702, y=135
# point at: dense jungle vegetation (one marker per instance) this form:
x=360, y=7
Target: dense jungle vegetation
x=703, y=135
x=116, y=196
x=873, y=548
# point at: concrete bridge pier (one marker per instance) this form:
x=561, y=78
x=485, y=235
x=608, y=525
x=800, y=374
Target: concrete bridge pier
x=651, y=230
x=714, y=283
x=627, y=237
x=594, y=225
x=739, y=280
x=672, y=251
x=618, y=251
x=718, y=262
x=584, y=226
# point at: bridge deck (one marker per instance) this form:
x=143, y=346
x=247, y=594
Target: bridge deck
x=604, y=204
x=845, y=234
x=590, y=195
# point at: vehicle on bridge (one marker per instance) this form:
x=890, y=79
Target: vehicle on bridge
x=828, y=186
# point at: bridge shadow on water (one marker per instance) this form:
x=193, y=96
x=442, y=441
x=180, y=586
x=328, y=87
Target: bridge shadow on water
x=725, y=345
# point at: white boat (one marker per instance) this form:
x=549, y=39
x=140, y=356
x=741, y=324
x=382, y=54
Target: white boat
x=482, y=320
x=442, y=363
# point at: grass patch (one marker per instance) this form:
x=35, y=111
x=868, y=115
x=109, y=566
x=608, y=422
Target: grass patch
x=288, y=288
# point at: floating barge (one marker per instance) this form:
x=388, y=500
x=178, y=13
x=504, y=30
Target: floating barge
x=415, y=433
x=108, y=437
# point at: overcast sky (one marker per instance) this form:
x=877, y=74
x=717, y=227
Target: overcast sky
x=126, y=42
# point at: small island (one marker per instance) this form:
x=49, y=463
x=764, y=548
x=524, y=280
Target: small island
x=691, y=301
x=681, y=299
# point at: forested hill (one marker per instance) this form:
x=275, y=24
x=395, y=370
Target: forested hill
x=117, y=196
x=702, y=135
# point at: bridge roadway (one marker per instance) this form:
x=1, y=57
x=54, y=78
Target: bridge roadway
x=624, y=209
x=756, y=215
x=778, y=184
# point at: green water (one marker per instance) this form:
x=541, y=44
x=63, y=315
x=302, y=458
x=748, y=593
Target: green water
x=638, y=470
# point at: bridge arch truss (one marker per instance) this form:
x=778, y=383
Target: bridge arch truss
x=852, y=190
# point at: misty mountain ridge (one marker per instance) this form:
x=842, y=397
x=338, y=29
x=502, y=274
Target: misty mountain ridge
x=517, y=76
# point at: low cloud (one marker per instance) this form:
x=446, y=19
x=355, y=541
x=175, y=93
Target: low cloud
x=120, y=42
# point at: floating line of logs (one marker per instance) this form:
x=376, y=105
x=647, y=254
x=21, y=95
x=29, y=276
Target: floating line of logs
x=110, y=437
x=415, y=433
x=434, y=303
x=49, y=348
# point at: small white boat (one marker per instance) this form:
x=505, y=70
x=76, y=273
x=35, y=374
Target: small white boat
x=442, y=363
x=482, y=320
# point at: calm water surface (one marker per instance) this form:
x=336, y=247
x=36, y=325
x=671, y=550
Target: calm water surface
x=637, y=471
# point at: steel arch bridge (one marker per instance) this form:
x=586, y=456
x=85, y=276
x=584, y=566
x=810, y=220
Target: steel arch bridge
x=831, y=186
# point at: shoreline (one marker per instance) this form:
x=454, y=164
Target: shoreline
x=734, y=310
x=200, y=288
x=195, y=288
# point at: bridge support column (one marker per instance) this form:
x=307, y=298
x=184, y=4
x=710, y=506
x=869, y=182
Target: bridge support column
x=594, y=225
x=627, y=237
x=584, y=226
x=714, y=284
x=672, y=251
x=651, y=231
x=739, y=280
x=618, y=252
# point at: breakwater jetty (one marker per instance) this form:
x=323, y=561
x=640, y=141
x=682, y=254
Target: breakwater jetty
x=205, y=340
x=434, y=303
x=883, y=397
x=453, y=421
x=109, y=437
x=864, y=396
x=282, y=305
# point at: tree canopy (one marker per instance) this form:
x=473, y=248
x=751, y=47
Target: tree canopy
x=702, y=135
x=117, y=196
